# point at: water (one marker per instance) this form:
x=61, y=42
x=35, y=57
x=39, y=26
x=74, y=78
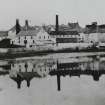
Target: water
x=50, y=80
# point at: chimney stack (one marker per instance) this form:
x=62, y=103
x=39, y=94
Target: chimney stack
x=57, y=24
x=26, y=23
x=18, y=28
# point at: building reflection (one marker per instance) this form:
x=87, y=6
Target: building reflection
x=4, y=68
x=29, y=69
x=18, y=77
x=94, y=68
x=20, y=70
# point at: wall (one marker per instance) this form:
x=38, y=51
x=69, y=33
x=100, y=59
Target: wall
x=41, y=38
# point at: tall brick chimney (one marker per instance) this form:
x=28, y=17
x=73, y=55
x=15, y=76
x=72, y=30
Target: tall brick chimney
x=57, y=24
x=18, y=28
x=26, y=24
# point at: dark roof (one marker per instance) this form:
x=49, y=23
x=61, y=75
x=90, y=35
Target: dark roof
x=14, y=28
x=28, y=28
x=73, y=25
x=101, y=26
x=94, y=28
x=64, y=33
x=3, y=33
x=28, y=33
x=24, y=28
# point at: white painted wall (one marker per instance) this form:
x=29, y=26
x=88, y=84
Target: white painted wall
x=93, y=37
x=11, y=34
x=101, y=37
x=42, y=38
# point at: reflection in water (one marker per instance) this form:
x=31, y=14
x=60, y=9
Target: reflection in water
x=27, y=70
x=23, y=69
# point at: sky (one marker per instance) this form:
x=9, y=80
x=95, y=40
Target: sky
x=40, y=12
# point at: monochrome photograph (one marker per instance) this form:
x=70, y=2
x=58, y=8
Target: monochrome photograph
x=52, y=52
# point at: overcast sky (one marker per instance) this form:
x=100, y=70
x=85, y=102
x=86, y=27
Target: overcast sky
x=43, y=11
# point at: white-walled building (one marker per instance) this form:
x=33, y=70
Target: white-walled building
x=30, y=36
x=95, y=33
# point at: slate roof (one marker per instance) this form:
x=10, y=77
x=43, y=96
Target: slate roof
x=28, y=33
x=102, y=26
x=13, y=29
x=95, y=29
x=74, y=25
x=64, y=33
x=3, y=33
x=24, y=28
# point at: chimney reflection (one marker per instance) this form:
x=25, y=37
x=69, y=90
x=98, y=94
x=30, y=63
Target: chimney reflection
x=29, y=69
x=77, y=69
x=18, y=80
x=58, y=82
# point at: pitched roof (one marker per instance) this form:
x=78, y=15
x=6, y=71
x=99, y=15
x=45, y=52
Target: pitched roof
x=101, y=26
x=64, y=33
x=3, y=33
x=28, y=28
x=74, y=25
x=24, y=28
x=28, y=33
x=94, y=28
x=14, y=28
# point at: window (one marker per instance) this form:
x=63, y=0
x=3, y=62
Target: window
x=34, y=66
x=30, y=45
x=44, y=37
x=33, y=41
x=19, y=41
x=25, y=37
x=31, y=37
x=45, y=69
x=48, y=37
x=25, y=41
x=13, y=65
x=19, y=38
x=26, y=66
x=12, y=42
x=19, y=69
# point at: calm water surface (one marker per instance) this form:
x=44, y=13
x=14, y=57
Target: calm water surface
x=49, y=80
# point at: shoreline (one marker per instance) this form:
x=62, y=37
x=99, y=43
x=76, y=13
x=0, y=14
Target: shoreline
x=72, y=53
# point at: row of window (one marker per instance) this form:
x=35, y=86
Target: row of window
x=25, y=41
x=40, y=37
x=67, y=36
x=26, y=68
